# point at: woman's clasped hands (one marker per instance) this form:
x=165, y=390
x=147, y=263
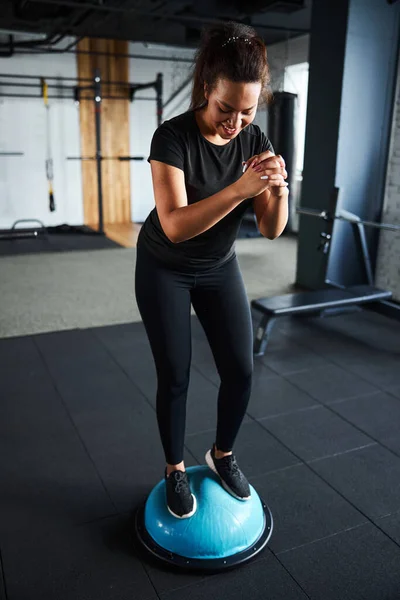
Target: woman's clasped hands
x=264, y=171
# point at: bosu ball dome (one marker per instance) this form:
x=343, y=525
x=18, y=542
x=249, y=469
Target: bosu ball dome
x=224, y=531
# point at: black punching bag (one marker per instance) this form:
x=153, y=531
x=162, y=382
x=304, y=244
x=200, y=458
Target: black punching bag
x=281, y=132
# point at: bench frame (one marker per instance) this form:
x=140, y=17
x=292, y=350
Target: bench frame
x=329, y=301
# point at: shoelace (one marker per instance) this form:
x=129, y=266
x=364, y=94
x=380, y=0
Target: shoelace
x=232, y=466
x=180, y=478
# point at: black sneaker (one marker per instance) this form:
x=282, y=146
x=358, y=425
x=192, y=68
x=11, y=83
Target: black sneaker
x=231, y=476
x=181, y=503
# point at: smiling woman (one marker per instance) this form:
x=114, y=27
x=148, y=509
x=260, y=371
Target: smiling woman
x=186, y=247
x=231, y=106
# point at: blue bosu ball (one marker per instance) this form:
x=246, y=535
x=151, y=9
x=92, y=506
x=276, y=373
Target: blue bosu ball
x=223, y=533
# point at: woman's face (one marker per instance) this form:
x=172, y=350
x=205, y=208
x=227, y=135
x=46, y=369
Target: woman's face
x=231, y=107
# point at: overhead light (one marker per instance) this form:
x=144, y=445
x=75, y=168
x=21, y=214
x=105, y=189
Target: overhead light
x=29, y=34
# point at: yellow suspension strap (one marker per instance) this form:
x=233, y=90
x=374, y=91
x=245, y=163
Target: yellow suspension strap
x=49, y=159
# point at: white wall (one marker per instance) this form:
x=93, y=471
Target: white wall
x=23, y=183
x=285, y=54
x=143, y=118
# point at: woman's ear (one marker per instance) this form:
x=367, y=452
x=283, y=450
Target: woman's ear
x=205, y=88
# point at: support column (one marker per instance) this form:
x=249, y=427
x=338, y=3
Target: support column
x=353, y=51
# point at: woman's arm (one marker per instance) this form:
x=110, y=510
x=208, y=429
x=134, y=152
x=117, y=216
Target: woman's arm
x=180, y=221
x=271, y=206
x=271, y=209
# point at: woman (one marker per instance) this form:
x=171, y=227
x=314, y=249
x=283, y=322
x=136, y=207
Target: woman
x=208, y=166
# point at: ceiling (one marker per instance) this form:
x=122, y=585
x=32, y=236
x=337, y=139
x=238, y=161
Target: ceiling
x=172, y=22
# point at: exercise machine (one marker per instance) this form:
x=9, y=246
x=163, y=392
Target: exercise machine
x=335, y=298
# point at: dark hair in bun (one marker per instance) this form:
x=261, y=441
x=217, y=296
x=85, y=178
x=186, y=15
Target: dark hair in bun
x=232, y=51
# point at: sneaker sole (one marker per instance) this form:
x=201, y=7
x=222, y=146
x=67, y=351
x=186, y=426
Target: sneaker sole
x=188, y=514
x=212, y=466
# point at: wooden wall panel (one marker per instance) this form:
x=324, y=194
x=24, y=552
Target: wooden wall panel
x=114, y=133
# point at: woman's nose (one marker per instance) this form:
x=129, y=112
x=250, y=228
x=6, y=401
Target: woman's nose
x=234, y=121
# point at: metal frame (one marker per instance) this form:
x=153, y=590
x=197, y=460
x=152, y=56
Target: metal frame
x=36, y=82
x=96, y=89
x=384, y=307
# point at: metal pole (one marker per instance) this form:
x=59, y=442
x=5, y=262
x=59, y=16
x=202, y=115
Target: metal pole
x=178, y=91
x=360, y=229
x=313, y=212
x=138, y=86
x=345, y=216
x=159, y=91
x=81, y=99
x=97, y=113
x=387, y=226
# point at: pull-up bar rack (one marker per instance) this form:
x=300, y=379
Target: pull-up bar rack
x=96, y=96
x=35, y=82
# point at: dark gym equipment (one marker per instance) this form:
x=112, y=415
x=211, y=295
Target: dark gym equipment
x=223, y=533
x=281, y=132
x=335, y=299
x=15, y=233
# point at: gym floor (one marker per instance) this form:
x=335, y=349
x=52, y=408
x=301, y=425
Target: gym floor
x=79, y=450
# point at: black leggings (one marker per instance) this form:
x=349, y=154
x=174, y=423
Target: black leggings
x=164, y=297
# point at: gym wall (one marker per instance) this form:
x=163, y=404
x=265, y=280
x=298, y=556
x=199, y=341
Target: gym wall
x=143, y=117
x=285, y=54
x=388, y=260
x=23, y=183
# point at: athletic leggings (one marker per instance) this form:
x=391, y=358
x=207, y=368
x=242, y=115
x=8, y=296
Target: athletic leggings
x=164, y=297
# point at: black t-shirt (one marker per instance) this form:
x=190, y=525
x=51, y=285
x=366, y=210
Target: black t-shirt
x=208, y=169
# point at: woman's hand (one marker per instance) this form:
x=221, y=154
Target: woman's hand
x=271, y=169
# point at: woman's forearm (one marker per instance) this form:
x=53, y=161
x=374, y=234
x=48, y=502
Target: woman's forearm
x=275, y=215
x=186, y=222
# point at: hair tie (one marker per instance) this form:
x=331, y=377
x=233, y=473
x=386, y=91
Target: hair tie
x=234, y=38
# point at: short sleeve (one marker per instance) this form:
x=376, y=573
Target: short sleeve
x=265, y=144
x=166, y=147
